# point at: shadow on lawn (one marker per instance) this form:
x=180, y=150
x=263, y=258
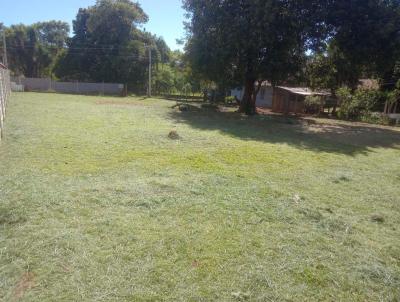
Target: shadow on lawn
x=333, y=136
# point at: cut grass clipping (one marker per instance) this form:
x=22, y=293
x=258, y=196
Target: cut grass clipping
x=97, y=203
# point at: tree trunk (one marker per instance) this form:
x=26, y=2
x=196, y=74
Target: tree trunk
x=392, y=107
x=248, y=103
x=256, y=91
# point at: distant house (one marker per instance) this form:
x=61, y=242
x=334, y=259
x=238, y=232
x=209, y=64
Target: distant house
x=264, y=97
x=282, y=99
x=368, y=84
x=292, y=100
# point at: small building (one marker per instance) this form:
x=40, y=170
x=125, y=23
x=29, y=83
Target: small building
x=264, y=96
x=368, y=84
x=292, y=100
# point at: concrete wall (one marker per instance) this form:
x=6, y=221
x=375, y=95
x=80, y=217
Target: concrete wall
x=45, y=84
x=16, y=87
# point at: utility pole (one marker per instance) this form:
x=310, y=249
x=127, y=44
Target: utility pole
x=149, y=92
x=5, y=61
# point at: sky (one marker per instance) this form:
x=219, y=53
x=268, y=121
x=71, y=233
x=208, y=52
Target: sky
x=165, y=16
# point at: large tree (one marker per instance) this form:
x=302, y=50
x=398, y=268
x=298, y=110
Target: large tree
x=251, y=41
x=108, y=45
x=102, y=46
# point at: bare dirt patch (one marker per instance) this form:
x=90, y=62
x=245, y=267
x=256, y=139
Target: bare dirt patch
x=327, y=123
x=174, y=135
x=25, y=283
x=120, y=103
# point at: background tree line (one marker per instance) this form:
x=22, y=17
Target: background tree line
x=323, y=44
x=108, y=45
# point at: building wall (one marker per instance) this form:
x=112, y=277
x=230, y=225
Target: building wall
x=285, y=101
x=238, y=93
x=264, y=97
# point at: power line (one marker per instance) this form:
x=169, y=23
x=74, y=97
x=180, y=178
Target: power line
x=68, y=48
x=72, y=48
x=137, y=57
x=93, y=50
x=75, y=48
x=111, y=56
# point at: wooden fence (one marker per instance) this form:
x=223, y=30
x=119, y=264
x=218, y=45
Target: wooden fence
x=5, y=92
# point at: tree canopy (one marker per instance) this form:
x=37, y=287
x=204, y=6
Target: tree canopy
x=33, y=49
x=366, y=34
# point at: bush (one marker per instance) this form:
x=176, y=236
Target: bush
x=230, y=100
x=375, y=118
x=353, y=105
x=393, y=97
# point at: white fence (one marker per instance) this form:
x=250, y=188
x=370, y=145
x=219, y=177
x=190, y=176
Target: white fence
x=5, y=92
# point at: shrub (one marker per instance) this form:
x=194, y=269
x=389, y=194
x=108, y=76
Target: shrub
x=230, y=100
x=393, y=98
x=353, y=105
x=375, y=118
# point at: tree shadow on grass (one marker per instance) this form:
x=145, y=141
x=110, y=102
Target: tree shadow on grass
x=332, y=136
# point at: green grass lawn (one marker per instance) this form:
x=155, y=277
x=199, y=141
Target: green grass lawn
x=98, y=204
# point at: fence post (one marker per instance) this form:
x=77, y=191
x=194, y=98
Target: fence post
x=5, y=92
x=1, y=104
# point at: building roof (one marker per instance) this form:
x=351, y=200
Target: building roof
x=304, y=91
x=263, y=84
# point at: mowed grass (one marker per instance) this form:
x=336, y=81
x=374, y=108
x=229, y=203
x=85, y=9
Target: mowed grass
x=98, y=204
